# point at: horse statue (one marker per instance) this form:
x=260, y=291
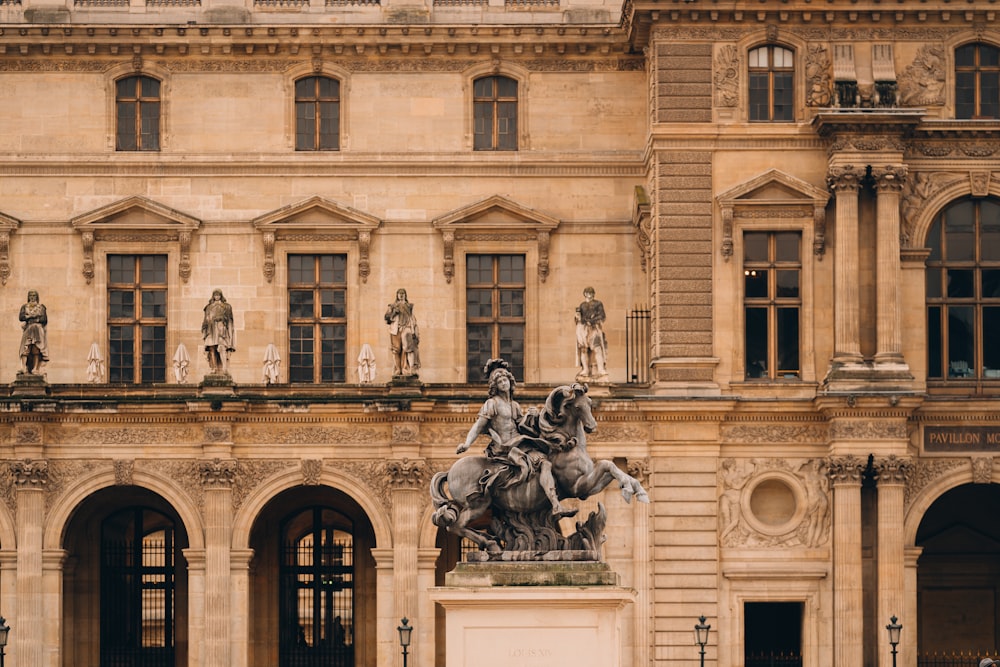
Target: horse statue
x=522, y=515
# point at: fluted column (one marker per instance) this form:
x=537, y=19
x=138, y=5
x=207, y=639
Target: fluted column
x=196, y=606
x=845, y=476
x=892, y=473
x=846, y=182
x=408, y=480
x=217, y=480
x=240, y=604
x=52, y=604
x=889, y=183
x=30, y=479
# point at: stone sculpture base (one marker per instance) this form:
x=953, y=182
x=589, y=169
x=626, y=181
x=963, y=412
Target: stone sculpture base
x=543, y=614
x=28, y=384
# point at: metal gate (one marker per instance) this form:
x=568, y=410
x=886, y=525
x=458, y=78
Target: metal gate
x=317, y=590
x=137, y=589
x=637, y=345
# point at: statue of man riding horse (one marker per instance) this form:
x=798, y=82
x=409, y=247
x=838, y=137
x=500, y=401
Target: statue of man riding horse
x=534, y=461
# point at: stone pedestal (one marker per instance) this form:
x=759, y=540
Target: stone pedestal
x=550, y=614
x=27, y=384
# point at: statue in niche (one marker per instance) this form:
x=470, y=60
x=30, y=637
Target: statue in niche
x=219, y=333
x=550, y=441
x=404, y=339
x=591, y=343
x=34, y=349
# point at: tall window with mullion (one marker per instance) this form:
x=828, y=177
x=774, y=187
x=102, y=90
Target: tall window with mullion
x=137, y=100
x=317, y=318
x=771, y=74
x=977, y=81
x=963, y=292
x=317, y=114
x=494, y=298
x=772, y=301
x=495, y=114
x=137, y=318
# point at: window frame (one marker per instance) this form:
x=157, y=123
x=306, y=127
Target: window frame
x=495, y=101
x=976, y=70
x=317, y=321
x=139, y=321
x=976, y=378
x=317, y=101
x=139, y=100
x=497, y=319
x=772, y=303
x=770, y=70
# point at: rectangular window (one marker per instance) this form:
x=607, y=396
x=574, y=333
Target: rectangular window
x=137, y=318
x=137, y=103
x=494, y=298
x=317, y=318
x=772, y=302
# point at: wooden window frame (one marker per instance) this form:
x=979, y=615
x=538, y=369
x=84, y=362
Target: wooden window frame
x=139, y=99
x=321, y=371
x=773, y=303
x=317, y=100
x=771, y=70
x=497, y=319
x=142, y=373
x=494, y=102
x=977, y=70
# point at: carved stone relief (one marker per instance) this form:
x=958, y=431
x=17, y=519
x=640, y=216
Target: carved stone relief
x=727, y=76
x=867, y=429
x=771, y=433
x=773, y=503
x=922, y=82
x=406, y=473
x=312, y=472
x=307, y=434
x=819, y=76
x=925, y=471
x=919, y=188
x=124, y=470
x=982, y=469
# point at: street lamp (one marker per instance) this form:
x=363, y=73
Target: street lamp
x=894, y=628
x=405, y=630
x=4, y=631
x=700, y=637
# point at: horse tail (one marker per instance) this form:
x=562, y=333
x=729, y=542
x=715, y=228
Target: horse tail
x=446, y=509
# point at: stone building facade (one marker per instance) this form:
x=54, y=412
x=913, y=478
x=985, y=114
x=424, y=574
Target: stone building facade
x=797, y=197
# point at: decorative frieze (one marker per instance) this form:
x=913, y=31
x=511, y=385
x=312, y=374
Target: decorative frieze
x=310, y=434
x=868, y=429
x=773, y=433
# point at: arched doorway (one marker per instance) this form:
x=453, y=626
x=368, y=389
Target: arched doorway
x=125, y=582
x=958, y=578
x=312, y=582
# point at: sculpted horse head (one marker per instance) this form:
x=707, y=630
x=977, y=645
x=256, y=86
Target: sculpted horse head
x=566, y=409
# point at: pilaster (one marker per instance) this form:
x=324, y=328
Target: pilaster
x=217, y=478
x=239, y=563
x=892, y=473
x=845, y=476
x=30, y=480
x=889, y=183
x=408, y=480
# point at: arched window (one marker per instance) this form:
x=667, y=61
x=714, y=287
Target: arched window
x=137, y=102
x=977, y=81
x=771, y=72
x=963, y=293
x=317, y=589
x=317, y=114
x=495, y=113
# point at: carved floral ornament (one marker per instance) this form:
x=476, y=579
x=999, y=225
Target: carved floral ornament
x=773, y=195
x=404, y=473
x=136, y=220
x=30, y=474
x=496, y=220
x=317, y=220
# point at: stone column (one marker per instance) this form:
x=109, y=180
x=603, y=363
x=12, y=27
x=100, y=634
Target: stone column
x=217, y=481
x=386, y=619
x=892, y=473
x=52, y=605
x=196, y=606
x=409, y=493
x=845, y=476
x=908, y=638
x=846, y=182
x=423, y=635
x=30, y=480
x=889, y=183
x=239, y=561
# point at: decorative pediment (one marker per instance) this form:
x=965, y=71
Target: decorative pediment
x=317, y=220
x=496, y=219
x=7, y=225
x=774, y=194
x=136, y=219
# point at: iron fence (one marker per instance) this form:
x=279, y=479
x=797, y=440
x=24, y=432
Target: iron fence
x=637, y=345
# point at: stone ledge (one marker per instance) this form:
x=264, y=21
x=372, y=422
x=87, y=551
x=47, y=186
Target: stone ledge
x=532, y=573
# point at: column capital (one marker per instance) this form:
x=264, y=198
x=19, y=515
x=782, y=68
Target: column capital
x=217, y=474
x=30, y=474
x=406, y=474
x=845, y=178
x=845, y=469
x=892, y=469
x=890, y=178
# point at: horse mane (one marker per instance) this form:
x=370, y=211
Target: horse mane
x=555, y=414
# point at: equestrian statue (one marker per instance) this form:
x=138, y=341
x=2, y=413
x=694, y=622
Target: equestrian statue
x=533, y=462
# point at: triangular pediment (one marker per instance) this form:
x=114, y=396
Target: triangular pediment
x=774, y=188
x=135, y=214
x=8, y=223
x=316, y=214
x=496, y=213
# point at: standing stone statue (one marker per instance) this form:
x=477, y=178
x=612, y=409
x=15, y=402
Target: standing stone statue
x=591, y=343
x=404, y=339
x=34, y=348
x=218, y=333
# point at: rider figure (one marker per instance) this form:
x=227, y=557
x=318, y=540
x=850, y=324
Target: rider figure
x=499, y=417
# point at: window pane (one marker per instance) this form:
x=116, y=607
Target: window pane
x=121, y=354
x=300, y=304
x=933, y=285
x=786, y=246
x=333, y=303
x=300, y=354
x=483, y=125
x=788, y=284
x=755, y=283
x=965, y=94
x=991, y=353
x=990, y=286
x=121, y=304
x=479, y=350
x=934, y=350
x=150, y=87
x=154, y=269
x=989, y=94
x=756, y=342
x=329, y=88
x=511, y=268
x=154, y=354
x=783, y=102
x=300, y=268
x=483, y=87
x=758, y=57
x=506, y=87
x=511, y=303
x=755, y=247
x=126, y=135
x=788, y=342
x=783, y=57
x=150, y=125
x=479, y=303
x=760, y=106
x=154, y=303
x=965, y=56
x=512, y=348
x=960, y=341
x=959, y=235
x=989, y=56
x=960, y=284
x=989, y=234
x=934, y=241
x=305, y=88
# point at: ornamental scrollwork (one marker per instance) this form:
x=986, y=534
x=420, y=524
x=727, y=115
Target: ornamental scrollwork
x=925, y=471
x=218, y=473
x=845, y=469
x=30, y=474
x=891, y=178
x=124, y=472
x=982, y=469
x=819, y=76
x=404, y=473
x=892, y=469
x=845, y=179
